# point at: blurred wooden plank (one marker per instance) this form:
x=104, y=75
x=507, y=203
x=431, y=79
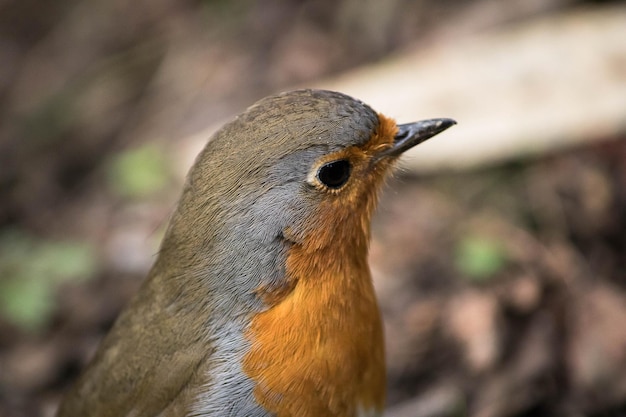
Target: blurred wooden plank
x=523, y=90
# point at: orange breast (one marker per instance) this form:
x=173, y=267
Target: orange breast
x=319, y=350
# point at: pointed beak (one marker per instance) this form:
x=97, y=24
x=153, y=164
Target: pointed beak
x=411, y=134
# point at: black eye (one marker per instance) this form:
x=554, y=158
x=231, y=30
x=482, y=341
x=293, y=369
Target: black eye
x=334, y=174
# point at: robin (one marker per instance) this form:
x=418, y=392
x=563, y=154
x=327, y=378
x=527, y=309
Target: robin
x=260, y=302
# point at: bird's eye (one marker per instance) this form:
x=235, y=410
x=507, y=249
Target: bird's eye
x=334, y=174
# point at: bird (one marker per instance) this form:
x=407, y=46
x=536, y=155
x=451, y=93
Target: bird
x=260, y=301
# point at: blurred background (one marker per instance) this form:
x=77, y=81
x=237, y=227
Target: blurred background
x=499, y=251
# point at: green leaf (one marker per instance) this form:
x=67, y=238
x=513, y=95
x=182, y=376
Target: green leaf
x=31, y=270
x=139, y=172
x=64, y=261
x=28, y=303
x=480, y=258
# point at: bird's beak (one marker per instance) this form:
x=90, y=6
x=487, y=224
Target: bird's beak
x=411, y=134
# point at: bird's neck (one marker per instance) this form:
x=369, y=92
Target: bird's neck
x=319, y=350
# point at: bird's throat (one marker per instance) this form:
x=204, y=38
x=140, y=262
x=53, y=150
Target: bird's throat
x=319, y=351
